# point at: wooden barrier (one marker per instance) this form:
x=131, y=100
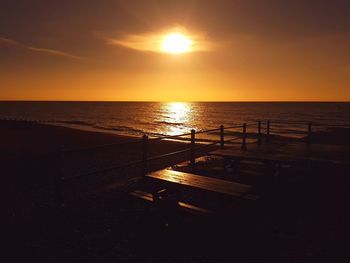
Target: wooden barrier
x=58, y=178
x=222, y=139
x=244, y=137
x=144, y=154
x=268, y=131
x=259, y=132
x=309, y=131
x=192, y=149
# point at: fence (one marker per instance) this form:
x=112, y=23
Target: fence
x=238, y=134
x=259, y=131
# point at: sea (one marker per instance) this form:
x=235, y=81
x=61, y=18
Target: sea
x=172, y=118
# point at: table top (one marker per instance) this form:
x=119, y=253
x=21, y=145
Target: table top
x=254, y=156
x=201, y=182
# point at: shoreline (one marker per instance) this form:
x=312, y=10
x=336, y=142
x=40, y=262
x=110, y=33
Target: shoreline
x=32, y=137
x=111, y=131
x=100, y=205
x=83, y=151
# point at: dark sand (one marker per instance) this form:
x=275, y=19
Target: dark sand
x=38, y=151
x=32, y=156
x=309, y=215
x=25, y=137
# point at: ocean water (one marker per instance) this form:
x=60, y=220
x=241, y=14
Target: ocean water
x=158, y=118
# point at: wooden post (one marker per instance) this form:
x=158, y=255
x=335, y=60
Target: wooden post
x=268, y=131
x=244, y=135
x=259, y=133
x=309, y=131
x=58, y=180
x=222, y=141
x=193, y=145
x=144, y=154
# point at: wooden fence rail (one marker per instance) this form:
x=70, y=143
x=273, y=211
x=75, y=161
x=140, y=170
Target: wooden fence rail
x=263, y=130
x=260, y=132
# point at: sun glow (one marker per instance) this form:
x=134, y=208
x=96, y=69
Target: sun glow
x=179, y=114
x=176, y=43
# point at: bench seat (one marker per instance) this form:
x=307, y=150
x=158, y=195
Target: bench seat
x=188, y=207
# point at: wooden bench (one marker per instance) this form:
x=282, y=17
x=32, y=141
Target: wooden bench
x=182, y=179
x=201, y=182
x=185, y=206
x=272, y=162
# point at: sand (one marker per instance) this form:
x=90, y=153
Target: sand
x=88, y=161
x=109, y=226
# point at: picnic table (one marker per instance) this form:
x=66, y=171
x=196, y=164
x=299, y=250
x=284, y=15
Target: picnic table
x=273, y=162
x=201, y=182
x=192, y=181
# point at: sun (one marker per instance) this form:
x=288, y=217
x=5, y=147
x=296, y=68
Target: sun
x=176, y=43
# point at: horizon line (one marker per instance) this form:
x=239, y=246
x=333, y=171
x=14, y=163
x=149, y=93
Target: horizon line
x=222, y=101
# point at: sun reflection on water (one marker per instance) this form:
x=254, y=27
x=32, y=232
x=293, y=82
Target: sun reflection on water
x=178, y=116
x=178, y=111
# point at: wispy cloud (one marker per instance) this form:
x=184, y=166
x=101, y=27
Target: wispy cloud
x=152, y=42
x=53, y=52
x=9, y=41
x=148, y=43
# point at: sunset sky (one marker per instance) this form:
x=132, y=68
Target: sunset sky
x=244, y=50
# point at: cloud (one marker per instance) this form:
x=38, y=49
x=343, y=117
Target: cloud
x=53, y=52
x=9, y=41
x=152, y=42
x=138, y=42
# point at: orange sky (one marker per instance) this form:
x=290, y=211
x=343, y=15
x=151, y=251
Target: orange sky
x=271, y=52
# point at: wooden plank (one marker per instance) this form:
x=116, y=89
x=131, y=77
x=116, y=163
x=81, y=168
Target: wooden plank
x=148, y=197
x=142, y=195
x=202, y=182
x=252, y=156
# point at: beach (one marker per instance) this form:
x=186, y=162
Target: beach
x=100, y=221
x=40, y=150
x=175, y=131
x=29, y=156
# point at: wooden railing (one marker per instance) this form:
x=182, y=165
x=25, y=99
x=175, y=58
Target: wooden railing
x=263, y=132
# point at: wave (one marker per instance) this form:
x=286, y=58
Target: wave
x=120, y=129
x=123, y=129
x=156, y=120
x=78, y=122
x=170, y=123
